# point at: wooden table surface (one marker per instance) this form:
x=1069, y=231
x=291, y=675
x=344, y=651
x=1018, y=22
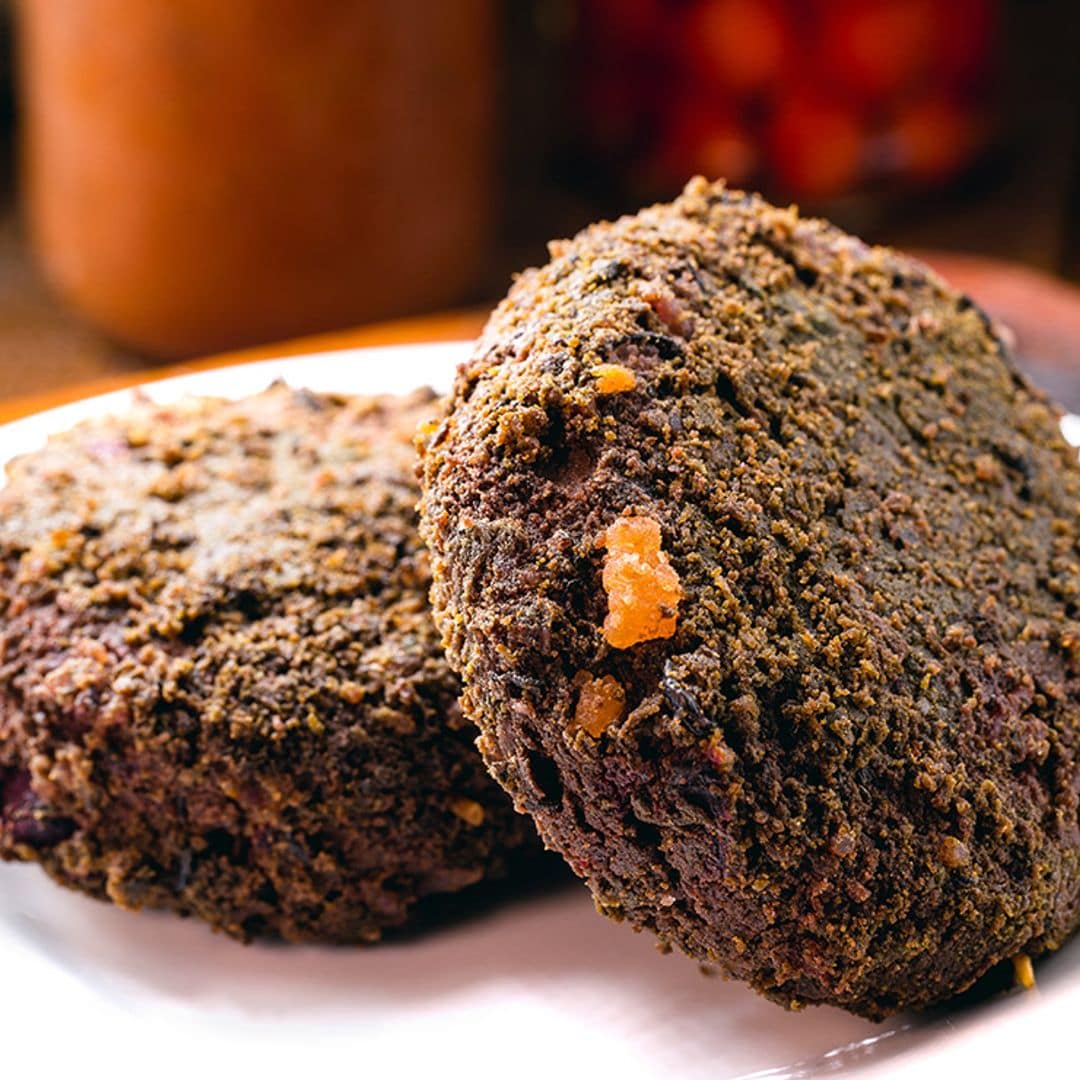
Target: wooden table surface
x=1043, y=312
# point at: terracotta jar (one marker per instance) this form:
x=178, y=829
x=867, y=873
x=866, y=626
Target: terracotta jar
x=201, y=174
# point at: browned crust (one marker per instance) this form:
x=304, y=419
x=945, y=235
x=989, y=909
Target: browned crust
x=851, y=775
x=221, y=691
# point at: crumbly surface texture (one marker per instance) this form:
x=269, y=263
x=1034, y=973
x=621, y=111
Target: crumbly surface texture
x=831, y=746
x=221, y=691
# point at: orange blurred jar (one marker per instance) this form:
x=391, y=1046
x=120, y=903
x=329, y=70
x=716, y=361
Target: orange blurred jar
x=202, y=174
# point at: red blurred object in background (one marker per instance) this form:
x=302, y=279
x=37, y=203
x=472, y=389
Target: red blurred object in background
x=934, y=138
x=967, y=35
x=815, y=146
x=704, y=140
x=741, y=44
x=876, y=49
x=804, y=98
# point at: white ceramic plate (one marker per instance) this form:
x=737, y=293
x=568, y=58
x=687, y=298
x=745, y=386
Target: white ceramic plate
x=538, y=987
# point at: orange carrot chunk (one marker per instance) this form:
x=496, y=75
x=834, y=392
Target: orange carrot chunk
x=642, y=587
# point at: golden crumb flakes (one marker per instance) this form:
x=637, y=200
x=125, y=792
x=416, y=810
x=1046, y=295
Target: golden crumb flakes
x=469, y=810
x=1023, y=971
x=600, y=704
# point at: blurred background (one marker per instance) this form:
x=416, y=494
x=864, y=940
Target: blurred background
x=181, y=177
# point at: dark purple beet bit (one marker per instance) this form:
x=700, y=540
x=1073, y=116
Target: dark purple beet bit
x=24, y=817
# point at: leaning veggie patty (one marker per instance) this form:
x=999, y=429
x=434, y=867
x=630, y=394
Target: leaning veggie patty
x=759, y=562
